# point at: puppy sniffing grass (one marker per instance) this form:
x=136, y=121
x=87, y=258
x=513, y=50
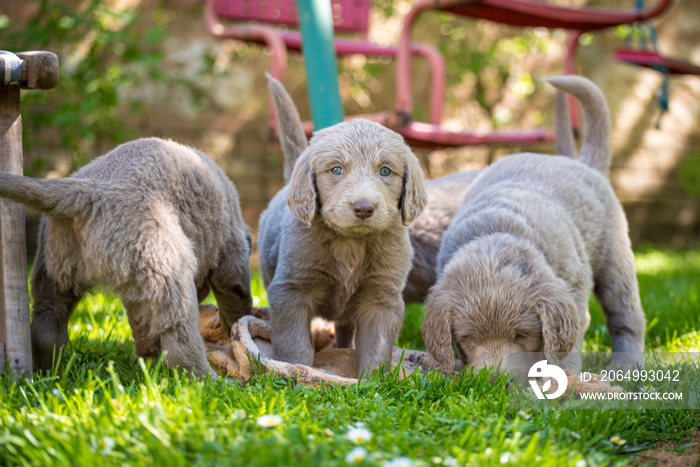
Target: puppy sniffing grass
x=334, y=242
x=445, y=195
x=152, y=220
x=534, y=235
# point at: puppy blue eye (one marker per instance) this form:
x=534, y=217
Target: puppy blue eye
x=385, y=171
x=337, y=170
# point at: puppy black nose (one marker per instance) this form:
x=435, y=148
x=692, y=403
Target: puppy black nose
x=363, y=209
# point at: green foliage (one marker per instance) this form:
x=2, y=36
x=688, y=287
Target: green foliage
x=485, y=61
x=670, y=290
x=386, y=7
x=689, y=172
x=102, y=406
x=104, y=55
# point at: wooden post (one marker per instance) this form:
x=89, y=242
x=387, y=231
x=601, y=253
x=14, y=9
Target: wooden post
x=14, y=299
x=30, y=70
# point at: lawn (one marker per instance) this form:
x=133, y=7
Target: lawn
x=102, y=407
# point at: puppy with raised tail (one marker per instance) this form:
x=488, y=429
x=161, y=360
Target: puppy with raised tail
x=445, y=195
x=334, y=242
x=152, y=220
x=533, y=236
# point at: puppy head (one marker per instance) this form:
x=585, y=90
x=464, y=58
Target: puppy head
x=495, y=300
x=359, y=176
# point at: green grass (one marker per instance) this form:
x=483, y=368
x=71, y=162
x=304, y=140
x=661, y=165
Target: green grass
x=103, y=407
x=669, y=285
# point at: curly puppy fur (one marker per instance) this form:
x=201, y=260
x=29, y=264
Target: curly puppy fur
x=534, y=235
x=445, y=195
x=152, y=220
x=335, y=245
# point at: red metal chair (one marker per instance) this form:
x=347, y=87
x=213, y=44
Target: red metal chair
x=654, y=60
x=350, y=16
x=514, y=13
x=644, y=56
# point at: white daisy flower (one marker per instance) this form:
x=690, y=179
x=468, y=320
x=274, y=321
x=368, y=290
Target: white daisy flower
x=269, y=421
x=356, y=455
x=616, y=440
x=506, y=457
x=106, y=445
x=238, y=414
x=358, y=434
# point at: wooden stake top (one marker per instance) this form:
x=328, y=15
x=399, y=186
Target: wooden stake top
x=39, y=70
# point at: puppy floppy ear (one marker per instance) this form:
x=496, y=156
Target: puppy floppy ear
x=560, y=325
x=437, y=333
x=413, y=196
x=302, y=197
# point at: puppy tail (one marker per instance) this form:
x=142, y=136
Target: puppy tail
x=57, y=197
x=566, y=145
x=596, y=151
x=291, y=131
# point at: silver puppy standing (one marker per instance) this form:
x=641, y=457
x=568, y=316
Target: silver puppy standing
x=152, y=220
x=333, y=242
x=534, y=235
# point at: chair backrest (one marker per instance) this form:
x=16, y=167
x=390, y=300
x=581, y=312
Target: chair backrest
x=348, y=15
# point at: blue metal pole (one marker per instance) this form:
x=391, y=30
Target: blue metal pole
x=316, y=21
